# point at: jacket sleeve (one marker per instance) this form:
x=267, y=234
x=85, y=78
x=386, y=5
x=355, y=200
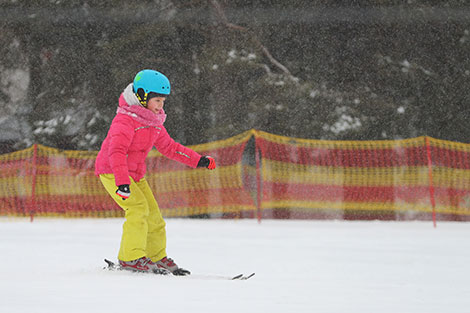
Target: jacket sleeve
x=121, y=134
x=175, y=151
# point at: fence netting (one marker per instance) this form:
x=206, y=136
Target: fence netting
x=43, y=181
x=303, y=178
x=258, y=174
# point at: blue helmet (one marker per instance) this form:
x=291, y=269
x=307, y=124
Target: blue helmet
x=150, y=81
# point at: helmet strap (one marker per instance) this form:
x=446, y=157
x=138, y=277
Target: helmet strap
x=142, y=101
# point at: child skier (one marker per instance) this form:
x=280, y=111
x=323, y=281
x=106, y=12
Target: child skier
x=120, y=165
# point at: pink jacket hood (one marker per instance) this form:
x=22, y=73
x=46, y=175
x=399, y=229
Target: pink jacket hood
x=130, y=105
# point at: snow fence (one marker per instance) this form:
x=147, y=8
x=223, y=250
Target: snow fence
x=258, y=175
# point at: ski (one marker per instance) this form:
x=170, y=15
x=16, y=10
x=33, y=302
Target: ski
x=242, y=277
x=112, y=266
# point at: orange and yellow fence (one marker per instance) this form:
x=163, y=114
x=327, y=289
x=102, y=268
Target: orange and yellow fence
x=400, y=179
x=258, y=175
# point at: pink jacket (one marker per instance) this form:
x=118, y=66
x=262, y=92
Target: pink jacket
x=133, y=133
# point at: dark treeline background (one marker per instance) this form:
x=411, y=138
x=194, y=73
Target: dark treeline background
x=349, y=70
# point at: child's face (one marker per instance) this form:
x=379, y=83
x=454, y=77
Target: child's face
x=156, y=104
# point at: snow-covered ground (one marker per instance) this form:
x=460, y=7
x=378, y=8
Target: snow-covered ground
x=55, y=265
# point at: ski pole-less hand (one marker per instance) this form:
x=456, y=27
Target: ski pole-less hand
x=207, y=162
x=123, y=191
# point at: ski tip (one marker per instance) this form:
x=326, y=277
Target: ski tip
x=110, y=264
x=242, y=277
x=249, y=276
x=237, y=277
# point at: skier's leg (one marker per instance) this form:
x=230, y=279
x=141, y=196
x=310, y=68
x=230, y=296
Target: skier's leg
x=134, y=230
x=156, y=238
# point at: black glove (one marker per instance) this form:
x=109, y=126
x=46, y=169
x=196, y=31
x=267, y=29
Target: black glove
x=123, y=191
x=207, y=162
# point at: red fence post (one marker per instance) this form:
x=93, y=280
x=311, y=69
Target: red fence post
x=32, y=208
x=258, y=180
x=431, y=182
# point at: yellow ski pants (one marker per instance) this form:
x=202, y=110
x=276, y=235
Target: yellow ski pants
x=143, y=232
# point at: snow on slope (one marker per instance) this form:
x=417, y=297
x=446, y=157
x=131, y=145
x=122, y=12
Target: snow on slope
x=55, y=265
